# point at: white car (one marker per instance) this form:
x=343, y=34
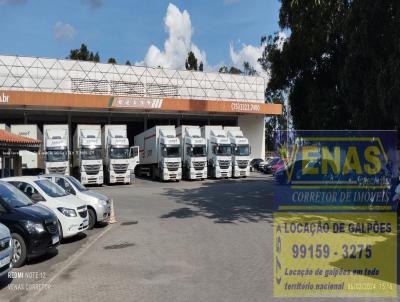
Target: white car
x=71, y=212
x=99, y=206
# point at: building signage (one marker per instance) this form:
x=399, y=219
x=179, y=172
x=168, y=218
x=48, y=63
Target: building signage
x=138, y=103
x=4, y=98
x=245, y=107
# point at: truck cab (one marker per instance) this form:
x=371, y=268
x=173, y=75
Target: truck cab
x=56, y=149
x=240, y=152
x=116, y=154
x=219, y=152
x=89, y=162
x=194, y=152
x=169, y=155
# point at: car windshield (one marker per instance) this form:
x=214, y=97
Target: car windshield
x=13, y=197
x=56, y=155
x=76, y=184
x=242, y=150
x=90, y=154
x=225, y=150
x=199, y=151
x=173, y=151
x=119, y=153
x=50, y=188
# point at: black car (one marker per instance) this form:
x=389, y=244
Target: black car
x=267, y=169
x=34, y=229
x=254, y=163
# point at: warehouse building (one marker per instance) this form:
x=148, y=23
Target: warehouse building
x=41, y=90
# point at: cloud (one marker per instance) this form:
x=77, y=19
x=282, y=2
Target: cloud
x=64, y=31
x=251, y=54
x=230, y=2
x=12, y=2
x=92, y=3
x=178, y=44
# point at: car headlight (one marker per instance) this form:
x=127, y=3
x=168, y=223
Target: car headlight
x=103, y=202
x=67, y=212
x=33, y=227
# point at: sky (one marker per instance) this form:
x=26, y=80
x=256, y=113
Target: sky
x=147, y=32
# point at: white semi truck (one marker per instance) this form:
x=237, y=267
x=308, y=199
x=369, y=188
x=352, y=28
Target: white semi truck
x=116, y=154
x=218, y=152
x=87, y=159
x=240, y=152
x=194, y=152
x=160, y=153
x=56, y=149
x=32, y=162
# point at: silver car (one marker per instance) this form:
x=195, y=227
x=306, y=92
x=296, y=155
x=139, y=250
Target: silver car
x=6, y=251
x=99, y=205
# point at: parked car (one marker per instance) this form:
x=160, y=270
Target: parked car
x=99, y=206
x=277, y=166
x=6, y=252
x=70, y=210
x=34, y=228
x=254, y=163
x=267, y=169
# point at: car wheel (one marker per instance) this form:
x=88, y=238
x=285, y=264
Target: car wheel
x=19, y=250
x=92, y=219
x=60, y=230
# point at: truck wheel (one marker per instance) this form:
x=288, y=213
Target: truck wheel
x=92, y=219
x=19, y=250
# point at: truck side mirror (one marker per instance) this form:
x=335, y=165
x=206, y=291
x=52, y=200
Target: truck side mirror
x=249, y=149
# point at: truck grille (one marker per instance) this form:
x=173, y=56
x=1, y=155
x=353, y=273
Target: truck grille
x=92, y=169
x=173, y=166
x=57, y=170
x=199, y=165
x=242, y=164
x=4, y=243
x=51, y=226
x=224, y=164
x=120, y=168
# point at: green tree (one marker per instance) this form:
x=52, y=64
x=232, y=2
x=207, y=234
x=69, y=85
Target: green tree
x=83, y=54
x=234, y=70
x=112, y=61
x=223, y=69
x=201, y=67
x=128, y=63
x=340, y=64
x=191, y=61
x=248, y=69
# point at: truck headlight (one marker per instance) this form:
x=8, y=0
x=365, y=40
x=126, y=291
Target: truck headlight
x=67, y=212
x=33, y=227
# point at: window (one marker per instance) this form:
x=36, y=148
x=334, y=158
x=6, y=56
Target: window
x=196, y=151
x=224, y=150
x=90, y=154
x=50, y=188
x=119, y=153
x=174, y=151
x=65, y=185
x=76, y=184
x=12, y=196
x=242, y=150
x=56, y=155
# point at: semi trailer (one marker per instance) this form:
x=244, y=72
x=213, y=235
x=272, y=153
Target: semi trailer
x=160, y=153
x=219, y=149
x=87, y=159
x=56, y=149
x=193, y=150
x=116, y=152
x=240, y=152
x=32, y=162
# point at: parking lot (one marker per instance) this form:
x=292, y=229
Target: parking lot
x=198, y=241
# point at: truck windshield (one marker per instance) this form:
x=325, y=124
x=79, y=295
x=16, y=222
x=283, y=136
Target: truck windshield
x=13, y=196
x=90, y=154
x=56, y=155
x=198, y=151
x=119, y=153
x=242, y=150
x=174, y=151
x=51, y=188
x=76, y=184
x=225, y=150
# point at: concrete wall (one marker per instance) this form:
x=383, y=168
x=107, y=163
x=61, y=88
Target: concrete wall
x=253, y=128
